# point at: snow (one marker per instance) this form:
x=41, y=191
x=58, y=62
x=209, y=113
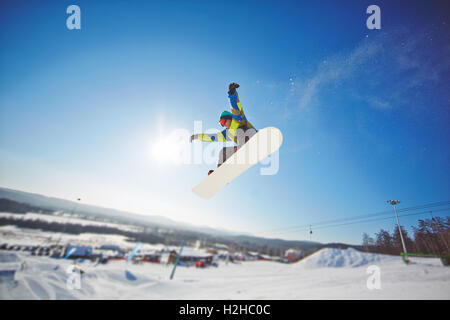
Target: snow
x=349, y=258
x=327, y=274
x=69, y=219
x=22, y=236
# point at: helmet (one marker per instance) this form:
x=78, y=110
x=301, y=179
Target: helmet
x=224, y=116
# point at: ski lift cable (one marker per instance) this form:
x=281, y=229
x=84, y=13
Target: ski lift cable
x=387, y=212
x=379, y=219
x=387, y=218
x=367, y=220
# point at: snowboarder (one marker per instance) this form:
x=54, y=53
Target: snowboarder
x=237, y=128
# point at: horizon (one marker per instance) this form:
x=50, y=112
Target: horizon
x=190, y=225
x=364, y=113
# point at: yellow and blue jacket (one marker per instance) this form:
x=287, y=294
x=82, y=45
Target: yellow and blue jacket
x=238, y=120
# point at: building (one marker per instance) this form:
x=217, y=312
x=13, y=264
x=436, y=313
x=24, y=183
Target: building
x=293, y=255
x=190, y=256
x=109, y=247
x=78, y=252
x=153, y=256
x=251, y=256
x=109, y=252
x=263, y=257
x=220, y=246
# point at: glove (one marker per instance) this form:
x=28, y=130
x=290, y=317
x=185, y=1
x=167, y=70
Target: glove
x=194, y=137
x=232, y=88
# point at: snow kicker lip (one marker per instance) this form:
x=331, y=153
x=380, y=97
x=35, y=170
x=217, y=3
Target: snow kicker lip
x=339, y=258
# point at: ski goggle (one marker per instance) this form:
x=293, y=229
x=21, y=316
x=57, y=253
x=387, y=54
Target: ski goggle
x=222, y=122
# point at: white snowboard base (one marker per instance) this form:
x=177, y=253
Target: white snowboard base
x=265, y=142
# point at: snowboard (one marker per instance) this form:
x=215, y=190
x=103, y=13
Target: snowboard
x=262, y=144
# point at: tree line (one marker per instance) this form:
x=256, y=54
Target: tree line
x=11, y=206
x=430, y=236
x=76, y=229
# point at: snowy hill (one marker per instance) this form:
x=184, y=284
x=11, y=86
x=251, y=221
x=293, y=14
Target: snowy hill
x=350, y=258
x=327, y=274
x=127, y=218
x=101, y=212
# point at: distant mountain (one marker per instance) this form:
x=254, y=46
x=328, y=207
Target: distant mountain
x=56, y=204
x=11, y=206
x=252, y=240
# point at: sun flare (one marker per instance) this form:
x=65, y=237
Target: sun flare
x=168, y=150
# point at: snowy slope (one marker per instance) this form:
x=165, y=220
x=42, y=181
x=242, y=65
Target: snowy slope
x=13, y=235
x=350, y=258
x=95, y=211
x=69, y=219
x=327, y=274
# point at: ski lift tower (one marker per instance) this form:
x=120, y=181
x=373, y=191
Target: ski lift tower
x=394, y=203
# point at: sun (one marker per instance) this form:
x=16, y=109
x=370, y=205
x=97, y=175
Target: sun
x=169, y=150
x=163, y=152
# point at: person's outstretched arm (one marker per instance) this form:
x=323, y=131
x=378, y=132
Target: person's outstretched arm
x=211, y=137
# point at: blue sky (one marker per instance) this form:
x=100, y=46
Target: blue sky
x=364, y=113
